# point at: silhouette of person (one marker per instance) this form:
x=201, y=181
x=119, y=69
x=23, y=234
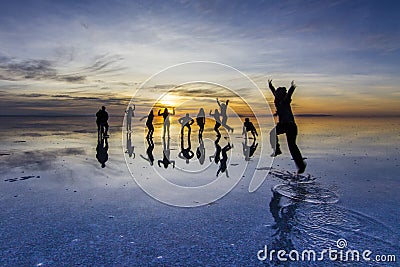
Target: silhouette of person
x=248, y=126
x=102, y=121
x=149, y=124
x=217, y=154
x=201, y=151
x=102, y=151
x=217, y=119
x=201, y=121
x=186, y=121
x=248, y=151
x=166, y=161
x=149, y=151
x=222, y=166
x=283, y=214
x=286, y=124
x=129, y=115
x=129, y=147
x=223, y=106
x=186, y=153
x=167, y=123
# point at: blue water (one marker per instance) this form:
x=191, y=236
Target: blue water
x=59, y=207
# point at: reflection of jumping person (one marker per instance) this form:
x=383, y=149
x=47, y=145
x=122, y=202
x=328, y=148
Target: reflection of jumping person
x=149, y=124
x=223, y=167
x=102, y=151
x=223, y=106
x=166, y=155
x=248, y=126
x=217, y=119
x=167, y=123
x=129, y=115
x=285, y=125
x=102, y=121
x=201, y=121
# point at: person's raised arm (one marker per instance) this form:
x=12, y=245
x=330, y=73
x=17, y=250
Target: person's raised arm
x=159, y=114
x=219, y=104
x=271, y=87
x=143, y=118
x=291, y=90
x=180, y=120
x=211, y=113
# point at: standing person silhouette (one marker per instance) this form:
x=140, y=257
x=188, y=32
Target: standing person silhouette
x=129, y=115
x=223, y=106
x=186, y=121
x=217, y=119
x=201, y=121
x=286, y=124
x=167, y=123
x=102, y=121
x=149, y=124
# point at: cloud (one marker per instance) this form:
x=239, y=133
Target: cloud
x=12, y=69
x=33, y=69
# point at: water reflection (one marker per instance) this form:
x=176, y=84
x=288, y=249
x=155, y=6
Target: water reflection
x=149, y=151
x=248, y=151
x=166, y=161
x=102, y=150
x=129, y=147
x=201, y=150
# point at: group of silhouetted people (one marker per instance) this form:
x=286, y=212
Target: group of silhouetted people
x=286, y=125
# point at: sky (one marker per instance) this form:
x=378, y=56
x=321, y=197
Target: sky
x=70, y=57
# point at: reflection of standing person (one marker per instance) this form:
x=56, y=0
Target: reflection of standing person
x=149, y=124
x=223, y=162
x=129, y=115
x=217, y=154
x=166, y=161
x=223, y=106
x=248, y=126
x=186, y=153
x=167, y=123
x=201, y=121
x=129, y=147
x=285, y=125
x=102, y=151
x=149, y=151
x=102, y=121
x=201, y=151
x=217, y=119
